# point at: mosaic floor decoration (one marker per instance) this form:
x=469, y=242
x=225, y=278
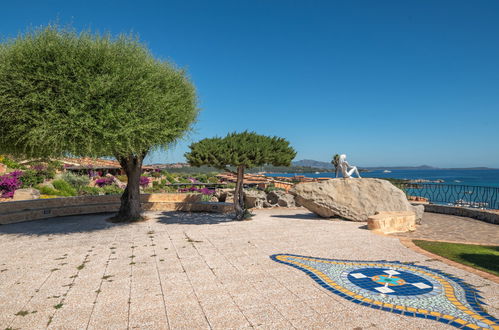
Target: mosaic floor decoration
x=399, y=288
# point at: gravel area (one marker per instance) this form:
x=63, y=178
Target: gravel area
x=181, y=270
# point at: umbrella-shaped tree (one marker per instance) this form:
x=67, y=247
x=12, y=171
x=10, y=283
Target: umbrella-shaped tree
x=241, y=151
x=84, y=94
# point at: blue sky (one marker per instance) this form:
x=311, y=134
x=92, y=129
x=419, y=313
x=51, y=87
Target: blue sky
x=387, y=82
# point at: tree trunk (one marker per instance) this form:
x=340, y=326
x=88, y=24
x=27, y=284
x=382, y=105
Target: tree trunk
x=130, y=200
x=239, y=194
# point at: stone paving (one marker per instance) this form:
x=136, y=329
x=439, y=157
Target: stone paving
x=442, y=227
x=190, y=271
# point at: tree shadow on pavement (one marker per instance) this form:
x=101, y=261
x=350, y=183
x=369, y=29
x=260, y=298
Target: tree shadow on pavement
x=61, y=225
x=301, y=216
x=184, y=218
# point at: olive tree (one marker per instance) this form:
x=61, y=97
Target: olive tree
x=240, y=151
x=84, y=94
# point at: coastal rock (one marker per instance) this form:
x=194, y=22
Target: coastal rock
x=26, y=194
x=254, y=198
x=280, y=198
x=353, y=199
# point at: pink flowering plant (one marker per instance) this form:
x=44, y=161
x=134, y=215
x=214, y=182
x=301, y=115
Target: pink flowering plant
x=144, y=181
x=9, y=183
x=102, y=182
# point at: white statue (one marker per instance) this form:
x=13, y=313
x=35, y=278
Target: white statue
x=346, y=169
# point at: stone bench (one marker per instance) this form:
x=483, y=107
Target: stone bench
x=392, y=222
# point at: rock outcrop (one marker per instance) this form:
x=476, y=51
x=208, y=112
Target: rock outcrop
x=254, y=198
x=26, y=194
x=353, y=199
x=280, y=198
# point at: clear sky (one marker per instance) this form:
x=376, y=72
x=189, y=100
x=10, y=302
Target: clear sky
x=387, y=82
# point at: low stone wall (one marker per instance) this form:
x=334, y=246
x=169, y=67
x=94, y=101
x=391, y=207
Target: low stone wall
x=392, y=222
x=483, y=215
x=19, y=211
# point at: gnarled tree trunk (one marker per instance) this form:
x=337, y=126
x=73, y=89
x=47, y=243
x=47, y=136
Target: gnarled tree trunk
x=130, y=209
x=239, y=194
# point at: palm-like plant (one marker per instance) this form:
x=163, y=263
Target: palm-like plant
x=336, y=163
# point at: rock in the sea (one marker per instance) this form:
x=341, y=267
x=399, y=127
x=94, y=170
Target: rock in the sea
x=254, y=198
x=353, y=199
x=280, y=198
x=26, y=194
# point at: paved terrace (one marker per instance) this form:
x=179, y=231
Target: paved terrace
x=182, y=270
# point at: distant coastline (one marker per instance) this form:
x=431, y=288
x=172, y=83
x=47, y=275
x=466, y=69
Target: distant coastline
x=469, y=176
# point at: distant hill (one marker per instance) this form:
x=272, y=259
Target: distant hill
x=328, y=166
x=313, y=163
x=421, y=167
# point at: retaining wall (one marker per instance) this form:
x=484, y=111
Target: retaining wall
x=483, y=215
x=12, y=212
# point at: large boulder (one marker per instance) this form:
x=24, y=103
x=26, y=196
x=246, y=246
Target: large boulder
x=26, y=194
x=280, y=198
x=354, y=199
x=254, y=198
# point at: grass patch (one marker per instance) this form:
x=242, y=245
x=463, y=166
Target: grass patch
x=484, y=258
x=58, y=306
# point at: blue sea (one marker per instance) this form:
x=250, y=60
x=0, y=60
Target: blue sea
x=484, y=178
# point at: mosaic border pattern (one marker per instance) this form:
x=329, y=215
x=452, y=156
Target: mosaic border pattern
x=469, y=303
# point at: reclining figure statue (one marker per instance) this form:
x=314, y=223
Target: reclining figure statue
x=346, y=169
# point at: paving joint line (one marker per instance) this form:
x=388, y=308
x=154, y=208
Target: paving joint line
x=223, y=285
x=159, y=276
x=189, y=279
x=99, y=289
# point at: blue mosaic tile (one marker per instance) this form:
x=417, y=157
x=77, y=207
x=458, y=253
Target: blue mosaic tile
x=399, y=288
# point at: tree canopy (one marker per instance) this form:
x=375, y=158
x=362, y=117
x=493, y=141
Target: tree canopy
x=246, y=149
x=84, y=94
x=241, y=150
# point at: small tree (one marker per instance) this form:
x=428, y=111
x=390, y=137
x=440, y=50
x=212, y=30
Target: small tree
x=81, y=94
x=242, y=151
x=336, y=163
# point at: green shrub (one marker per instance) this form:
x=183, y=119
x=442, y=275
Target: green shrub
x=46, y=190
x=213, y=179
x=64, y=188
x=122, y=178
x=170, y=189
x=91, y=191
x=76, y=181
x=112, y=190
x=31, y=178
x=11, y=163
x=170, y=178
x=271, y=187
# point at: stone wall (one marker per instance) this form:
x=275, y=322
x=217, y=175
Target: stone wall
x=12, y=212
x=484, y=215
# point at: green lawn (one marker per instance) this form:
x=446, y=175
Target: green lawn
x=485, y=258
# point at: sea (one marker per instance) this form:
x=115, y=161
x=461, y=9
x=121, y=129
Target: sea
x=470, y=177
x=476, y=188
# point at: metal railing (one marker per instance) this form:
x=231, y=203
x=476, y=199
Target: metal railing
x=456, y=195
